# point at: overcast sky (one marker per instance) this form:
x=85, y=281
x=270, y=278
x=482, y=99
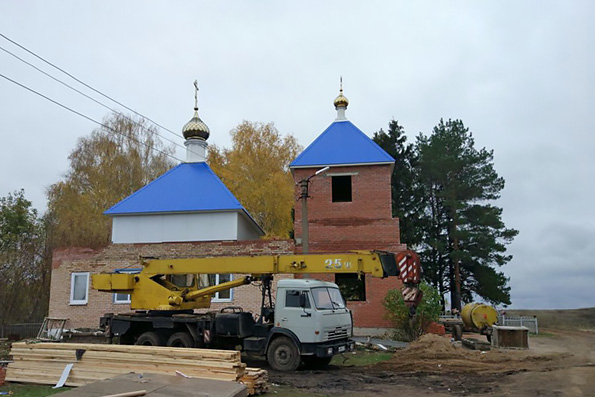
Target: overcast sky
x=521, y=75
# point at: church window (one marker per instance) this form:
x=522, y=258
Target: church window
x=341, y=188
x=352, y=286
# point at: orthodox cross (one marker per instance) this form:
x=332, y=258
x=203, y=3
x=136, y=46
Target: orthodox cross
x=195, y=95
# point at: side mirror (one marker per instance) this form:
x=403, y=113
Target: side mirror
x=303, y=300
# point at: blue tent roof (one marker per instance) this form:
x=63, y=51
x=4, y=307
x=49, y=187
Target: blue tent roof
x=342, y=143
x=189, y=187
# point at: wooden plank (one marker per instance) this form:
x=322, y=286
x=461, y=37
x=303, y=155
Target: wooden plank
x=92, y=374
x=105, y=372
x=175, y=352
x=117, y=358
x=56, y=368
x=43, y=363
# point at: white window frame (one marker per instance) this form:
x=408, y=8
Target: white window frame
x=216, y=296
x=117, y=301
x=121, y=301
x=73, y=276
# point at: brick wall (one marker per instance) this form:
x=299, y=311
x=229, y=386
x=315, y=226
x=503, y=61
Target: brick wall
x=365, y=223
x=119, y=256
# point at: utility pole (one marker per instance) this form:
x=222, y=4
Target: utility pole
x=304, y=194
x=305, y=232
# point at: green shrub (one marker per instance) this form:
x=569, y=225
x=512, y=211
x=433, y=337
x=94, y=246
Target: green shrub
x=410, y=328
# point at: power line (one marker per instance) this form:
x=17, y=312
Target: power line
x=86, y=85
x=87, y=117
x=85, y=95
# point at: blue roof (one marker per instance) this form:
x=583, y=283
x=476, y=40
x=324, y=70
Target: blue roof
x=342, y=143
x=189, y=187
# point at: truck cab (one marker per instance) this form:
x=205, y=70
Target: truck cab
x=312, y=316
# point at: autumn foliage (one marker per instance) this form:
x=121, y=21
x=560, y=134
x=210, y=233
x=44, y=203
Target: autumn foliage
x=113, y=162
x=256, y=170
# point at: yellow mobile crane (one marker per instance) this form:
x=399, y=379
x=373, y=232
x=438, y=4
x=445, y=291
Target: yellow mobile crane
x=308, y=322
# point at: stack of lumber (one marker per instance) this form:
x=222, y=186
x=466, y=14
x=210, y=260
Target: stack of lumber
x=256, y=380
x=43, y=363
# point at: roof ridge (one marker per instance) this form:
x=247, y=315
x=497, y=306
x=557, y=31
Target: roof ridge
x=376, y=146
x=314, y=141
x=229, y=193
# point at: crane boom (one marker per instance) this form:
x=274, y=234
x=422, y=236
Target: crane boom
x=159, y=287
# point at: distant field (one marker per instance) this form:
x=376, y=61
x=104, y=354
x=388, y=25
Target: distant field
x=562, y=319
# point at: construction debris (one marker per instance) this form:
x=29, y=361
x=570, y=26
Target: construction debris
x=43, y=363
x=256, y=380
x=476, y=344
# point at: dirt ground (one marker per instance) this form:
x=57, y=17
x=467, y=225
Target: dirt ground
x=557, y=363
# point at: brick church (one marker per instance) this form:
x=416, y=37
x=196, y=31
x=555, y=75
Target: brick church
x=189, y=212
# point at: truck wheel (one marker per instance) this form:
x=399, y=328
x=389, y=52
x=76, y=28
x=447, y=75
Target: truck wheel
x=180, y=339
x=149, y=339
x=313, y=362
x=283, y=354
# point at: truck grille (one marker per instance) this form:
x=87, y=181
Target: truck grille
x=336, y=333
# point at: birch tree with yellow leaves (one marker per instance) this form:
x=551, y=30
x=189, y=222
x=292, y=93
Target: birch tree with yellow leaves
x=117, y=159
x=256, y=170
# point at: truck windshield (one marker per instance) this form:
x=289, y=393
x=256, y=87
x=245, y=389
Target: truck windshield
x=328, y=298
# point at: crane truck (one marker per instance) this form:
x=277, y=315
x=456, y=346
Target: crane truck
x=308, y=320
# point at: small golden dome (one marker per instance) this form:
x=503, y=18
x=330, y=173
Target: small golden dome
x=196, y=128
x=341, y=100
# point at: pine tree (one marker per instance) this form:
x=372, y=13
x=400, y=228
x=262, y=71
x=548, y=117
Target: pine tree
x=464, y=237
x=406, y=195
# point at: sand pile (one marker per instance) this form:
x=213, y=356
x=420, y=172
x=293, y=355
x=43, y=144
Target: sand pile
x=432, y=346
x=435, y=354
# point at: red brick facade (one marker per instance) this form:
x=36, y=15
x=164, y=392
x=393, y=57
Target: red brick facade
x=119, y=256
x=364, y=223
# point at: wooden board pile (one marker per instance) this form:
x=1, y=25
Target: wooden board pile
x=256, y=380
x=43, y=363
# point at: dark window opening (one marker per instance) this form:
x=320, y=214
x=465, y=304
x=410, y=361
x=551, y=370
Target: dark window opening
x=341, y=188
x=352, y=286
x=292, y=299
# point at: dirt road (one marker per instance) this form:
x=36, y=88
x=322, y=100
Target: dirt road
x=557, y=364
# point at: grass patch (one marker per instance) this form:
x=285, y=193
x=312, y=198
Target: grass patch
x=560, y=319
x=543, y=334
x=289, y=391
x=4, y=349
x=23, y=390
x=361, y=358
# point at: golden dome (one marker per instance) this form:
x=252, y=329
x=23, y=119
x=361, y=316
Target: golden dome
x=196, y=128
x=341, y=100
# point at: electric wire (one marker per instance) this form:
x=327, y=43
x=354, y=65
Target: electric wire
x=87, y=117
x=87, y=85
x=85, y=95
